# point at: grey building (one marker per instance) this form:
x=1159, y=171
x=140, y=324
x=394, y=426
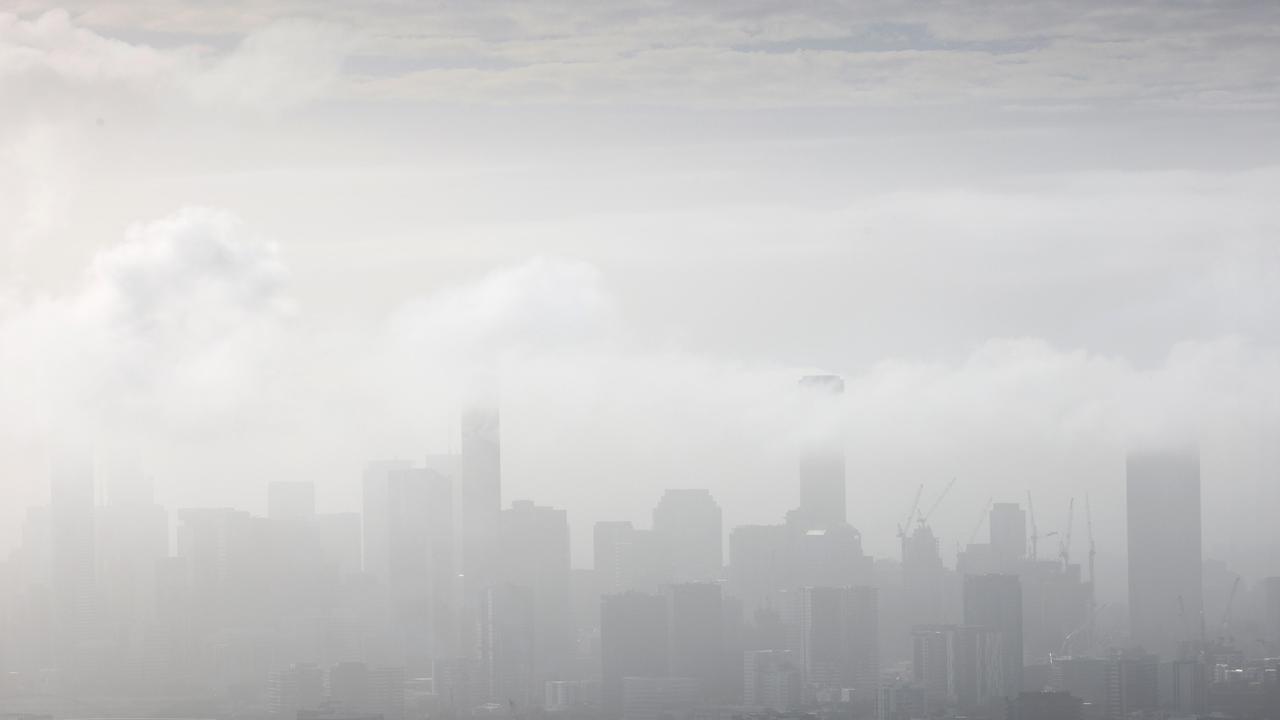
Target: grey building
x=1165, y=583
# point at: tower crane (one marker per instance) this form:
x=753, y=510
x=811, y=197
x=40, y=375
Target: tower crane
x=1093, y=578
x=1035, y=532
x=906, y=524
x=1225, y=628
x=1093, y=550
x=986, y=510
x=1064, y=542
x=924, y=518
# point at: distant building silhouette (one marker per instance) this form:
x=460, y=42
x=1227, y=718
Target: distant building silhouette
x=481, y=505
x=1165, y=582
x=73, y=552
x=297, y=688
x=695, y=613
x=772, y=680
x=822, y=465
x=633, y=643
x=1044, y=706
x=534, y=554
x=507, y=646
x=1132, y=682
x=838, y=640
x=688, y=525
x=995, y=602
x=1008, y=527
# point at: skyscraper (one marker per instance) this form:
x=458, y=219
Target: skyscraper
x=994, y=602
x=759, y=563
x=298, y=687
x=696, y=619
x=1008, y=525
x=132, y=539
x=838, y=639
x=481, y=500
x=688, y=524
x=1163, y=510
x=72, y=546
x=534, y=555
x=377, y=509
x=409, y=549
x=961, y=666
x=633, y=643
x=771, y=680
x=609, y=540
x=822, y=489
x=507, y=645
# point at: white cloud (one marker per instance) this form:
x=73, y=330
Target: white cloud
x=59, y=80
x=168, y=327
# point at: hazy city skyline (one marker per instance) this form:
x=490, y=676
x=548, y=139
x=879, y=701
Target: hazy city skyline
x=413, y=293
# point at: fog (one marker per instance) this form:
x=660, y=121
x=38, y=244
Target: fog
x=260, y=242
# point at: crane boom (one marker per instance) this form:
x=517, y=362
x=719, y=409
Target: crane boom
x=1093, y=550
x=986, y=509
x=915, y=505
x=1226, y=614
x=1093, y=577
x=1064, y=549
x=925, y=517
x=906, y=524
x=1035, y=533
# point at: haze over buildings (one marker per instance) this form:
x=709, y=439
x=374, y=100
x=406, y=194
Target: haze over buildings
x=619, y=360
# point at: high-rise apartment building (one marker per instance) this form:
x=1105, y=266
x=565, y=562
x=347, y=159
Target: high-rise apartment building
x=1163, y=512
x=995, y=602
x=839, y=647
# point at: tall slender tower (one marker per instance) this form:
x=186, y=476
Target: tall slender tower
x=822, y=492
x=1163, y=509
x=994, y=602
x=71, y=525
x=1008, y=527
x=481, y=500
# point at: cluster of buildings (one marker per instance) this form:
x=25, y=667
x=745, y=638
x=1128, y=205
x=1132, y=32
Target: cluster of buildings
x=436, y=600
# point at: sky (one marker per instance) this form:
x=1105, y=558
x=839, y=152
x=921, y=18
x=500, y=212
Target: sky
x=250, y=241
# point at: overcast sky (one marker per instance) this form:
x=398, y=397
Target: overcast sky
x=247, y=241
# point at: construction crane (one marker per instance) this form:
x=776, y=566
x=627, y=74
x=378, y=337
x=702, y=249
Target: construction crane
x=1093, y=550
x=1035, y=532
x=924, y=518
x=1225, y=628
x=1064, y=543
x=1093, y=578
x=1084, y=626
x=986, y=510
x=906, y=524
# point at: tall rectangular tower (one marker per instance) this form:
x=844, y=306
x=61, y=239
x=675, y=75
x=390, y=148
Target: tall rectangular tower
x=822, y=491
x=1008, y=523
x=688, y=524
x=1163, y=509
x=481, y=500
x=696, y=625
x=633, y=643
x=73, y=550
x=994, y=602
x=534, y=555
